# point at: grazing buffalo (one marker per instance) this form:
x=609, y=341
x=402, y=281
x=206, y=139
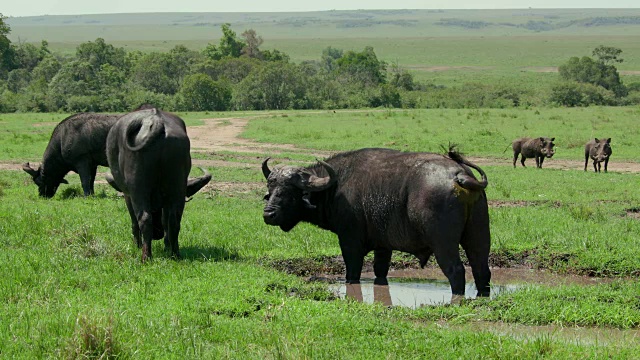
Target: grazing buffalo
x=148, y=153
x=384, y=200
x=77, y=144
x=599, y=151
x=538, y=148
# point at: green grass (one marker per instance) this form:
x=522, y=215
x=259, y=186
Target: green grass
x=73, y=285
x=478, y=132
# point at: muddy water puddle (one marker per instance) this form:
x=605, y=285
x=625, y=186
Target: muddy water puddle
x=427, y=287
x=411, y=293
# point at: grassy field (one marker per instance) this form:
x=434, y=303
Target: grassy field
x=478, y=132
x=73, y=285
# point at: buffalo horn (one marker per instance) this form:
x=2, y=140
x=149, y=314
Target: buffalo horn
x=29, y=170
x=265, y=168
x=195, y=184
x=315, y=183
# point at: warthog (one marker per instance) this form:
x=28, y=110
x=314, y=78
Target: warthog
x=385, y=200
x=599, y=151
x=537, y=148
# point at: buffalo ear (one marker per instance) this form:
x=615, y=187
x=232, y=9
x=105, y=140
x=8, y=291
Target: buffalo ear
x=542, y=139
x=596, y=140
x=609, y=141
x=29, y=170
x=307, y=202
x=553, y=139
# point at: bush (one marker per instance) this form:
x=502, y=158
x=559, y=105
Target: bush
x=200, y=93
x=581, y=94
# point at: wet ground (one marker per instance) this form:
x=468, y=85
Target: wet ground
x=419, y=287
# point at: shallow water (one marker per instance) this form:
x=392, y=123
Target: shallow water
x=411, y=293
x=414, y=288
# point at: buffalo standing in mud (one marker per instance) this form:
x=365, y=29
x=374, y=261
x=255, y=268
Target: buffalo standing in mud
x=537, y=148
x=77, y=144
x=599, y=151
x=148, y=153
x=384, y=200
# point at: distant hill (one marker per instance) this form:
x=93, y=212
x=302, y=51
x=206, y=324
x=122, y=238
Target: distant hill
x=327, y=24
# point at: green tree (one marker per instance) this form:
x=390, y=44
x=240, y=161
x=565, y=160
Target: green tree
x=607, y=55
x=27, y=56
x=329, y=57
x=587, y=70
x=201, y=93
x=158, y=72
x=362, y=67
x=7, y=53
x=98, y=53
x=233, y=70
x=276, y=85
x=252, y=43
x=229, y=46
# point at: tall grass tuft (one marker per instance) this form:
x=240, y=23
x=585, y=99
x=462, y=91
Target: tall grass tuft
x=92, y=340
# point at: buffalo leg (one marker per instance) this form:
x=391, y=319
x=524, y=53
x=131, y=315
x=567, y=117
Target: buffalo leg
x=94, y=170
x=599, y=166
x=84, y=170
x=353, y=259
x=606, y=164
x=145, y=222
x=135, y=229
x=515, y=158
x=476, y=242
x=381, y=262
x=522, y=159
x=449, y=261
x=173, y=218
x=595, y=167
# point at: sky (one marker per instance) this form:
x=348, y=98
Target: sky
x=75, y=7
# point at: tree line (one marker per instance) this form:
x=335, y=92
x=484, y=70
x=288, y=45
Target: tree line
x=236, y=74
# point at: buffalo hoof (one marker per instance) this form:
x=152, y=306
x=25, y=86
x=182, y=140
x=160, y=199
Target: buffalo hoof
x=380, y=281
x=352, y=281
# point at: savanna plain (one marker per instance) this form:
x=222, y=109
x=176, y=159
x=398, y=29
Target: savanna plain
x=72, y=284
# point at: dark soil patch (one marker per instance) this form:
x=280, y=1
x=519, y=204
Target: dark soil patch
x=528, y=259
x=633, y=212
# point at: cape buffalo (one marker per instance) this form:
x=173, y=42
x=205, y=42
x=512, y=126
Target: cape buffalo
x=148, y=153
x=384, y=200
x=77, y=144
x=599, y=151
x=538, y=148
